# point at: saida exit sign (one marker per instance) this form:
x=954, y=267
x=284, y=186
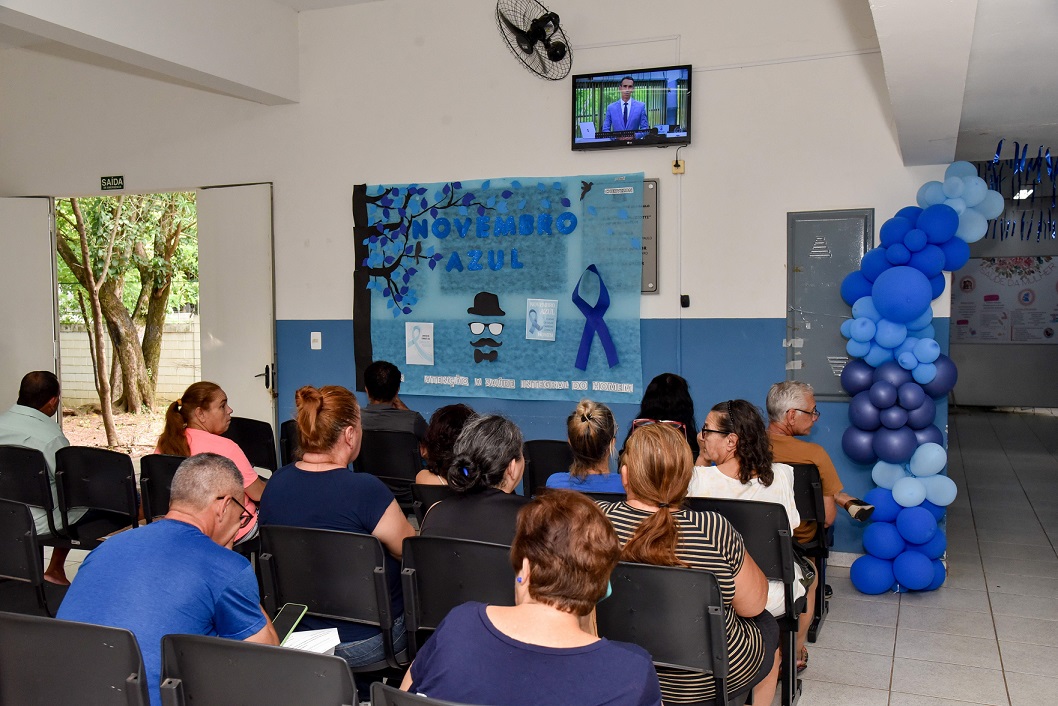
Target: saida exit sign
x=111, y=183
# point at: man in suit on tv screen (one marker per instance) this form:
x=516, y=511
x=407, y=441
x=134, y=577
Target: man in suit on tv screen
x=626, y=113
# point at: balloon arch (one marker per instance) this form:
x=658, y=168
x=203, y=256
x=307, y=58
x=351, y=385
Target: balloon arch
x=897, y=371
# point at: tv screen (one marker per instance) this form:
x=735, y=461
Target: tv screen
x=638, y=108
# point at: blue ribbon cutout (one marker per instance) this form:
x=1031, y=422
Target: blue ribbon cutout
x=593, y=323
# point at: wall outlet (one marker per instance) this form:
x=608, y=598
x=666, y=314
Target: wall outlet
x=315, y=340
x=678, y=166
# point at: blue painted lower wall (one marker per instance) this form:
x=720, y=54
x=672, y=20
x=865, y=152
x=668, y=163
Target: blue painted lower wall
x=720, y=358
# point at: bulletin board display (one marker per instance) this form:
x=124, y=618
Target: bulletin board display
x=519, y=288
x=1005, y=300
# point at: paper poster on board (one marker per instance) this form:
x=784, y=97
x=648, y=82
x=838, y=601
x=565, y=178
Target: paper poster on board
x=1002, y=300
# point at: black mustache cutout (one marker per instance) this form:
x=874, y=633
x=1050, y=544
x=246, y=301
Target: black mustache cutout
x=486, y=342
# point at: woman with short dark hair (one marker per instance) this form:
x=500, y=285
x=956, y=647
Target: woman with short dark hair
x=446, y=423
x=537, y=650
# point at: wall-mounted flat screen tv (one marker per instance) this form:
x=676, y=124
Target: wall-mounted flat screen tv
x=637, y=108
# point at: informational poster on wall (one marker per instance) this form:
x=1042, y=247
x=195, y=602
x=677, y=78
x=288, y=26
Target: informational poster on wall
x=1000, y=300
x=520, y=288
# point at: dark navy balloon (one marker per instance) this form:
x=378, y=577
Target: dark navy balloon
x=858, y=445
x=894, y=445
x=894, y=417
x=883, y=394
x=862, y=413
x=927, y=435
x=856, y=377
x=947, y=376
x=923, y=415
x=892, y=373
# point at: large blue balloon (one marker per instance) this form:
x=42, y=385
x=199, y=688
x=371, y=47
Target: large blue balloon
x=901, y=294
x=863, y=330
x=939, y=574
x=855, y=286
x=913, y=570
x=894, y=417
x=916, y=525
x=897, y=254
x=856, y=377
x=857, y=349
x=911, y=396
x=882, y=394
x=929, y=261
x=883, y=540
x=947, y=376
x=939, y=221
x=915, y=240
x=872, y=575
x=858, y=445
x=934, y=548
x=864, y=306
x=937, y=510
x=927, y=350
x=921, y=322
x=894, y=445
x=893, y=231
x=911, y=213
x=909, y=492
x=956, y=254
x=936, y=286
x=892, y=373
x=862, y=413
x=874, y=263
x=886, y=508
x=923, y=415
x=927, y=435
x=889, y=334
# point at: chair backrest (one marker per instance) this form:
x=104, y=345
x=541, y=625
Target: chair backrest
x=808, y=495
x=426, y=496
x=100, y=479
x=49, y=661
x=656, y=607
x=338, y=575
x=440, y=573
x=392, y=456
x=384, y=695
x=543, y=457
x=19, y=551
x=605, y=497
x=156, y=480
x=208, y=671
x=256, y=439
x=24, y=477
x=288, y=441
x=765, y=529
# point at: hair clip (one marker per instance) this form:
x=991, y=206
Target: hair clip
x=465, y=471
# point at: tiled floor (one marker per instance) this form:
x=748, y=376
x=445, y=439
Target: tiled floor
x=990, y=634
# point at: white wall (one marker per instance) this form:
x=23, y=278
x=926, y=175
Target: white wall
x=789, y=109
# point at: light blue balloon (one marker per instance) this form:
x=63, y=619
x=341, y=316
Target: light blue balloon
x=890, y=334
x=857, y=349
x=909, y=492
x=864, y=307
x=956, y=204
x=863, y=329
x=846, y=328
x=960, y=169
x=927, y=332
x=972, y=226
x=877, y=355
x=885, y=475
x=992, y=205
x=930, y=193
x=908, y=346
x=924, y=373
x=928, y=460
x=921, y=321
x=953, y=187
x=940, y=490
x=907, y=360
x=975, y=190
x=927, y=350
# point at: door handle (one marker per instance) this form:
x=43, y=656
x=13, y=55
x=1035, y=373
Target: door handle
x=267, y=375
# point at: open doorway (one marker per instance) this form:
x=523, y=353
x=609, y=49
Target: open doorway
x=128, y=322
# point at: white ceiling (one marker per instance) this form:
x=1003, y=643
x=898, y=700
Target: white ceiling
x=962, y=74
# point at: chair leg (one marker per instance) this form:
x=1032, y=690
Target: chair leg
x=789, y=684
x=822, y=604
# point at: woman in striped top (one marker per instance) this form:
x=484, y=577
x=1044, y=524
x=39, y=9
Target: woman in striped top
x=654, y=529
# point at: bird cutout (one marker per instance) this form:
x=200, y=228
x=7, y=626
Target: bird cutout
x=585, y=187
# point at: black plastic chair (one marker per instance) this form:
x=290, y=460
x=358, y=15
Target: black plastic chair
x=544, y=457
x=808, y=494
x=439, y=574
x=675, y=614
x=213, y=671
x=24, y=478
x=383, y=695
x=99, y=479
x=394, y=458
x=288, y=442
x=156, y=479
x=426, y=496
x=765, y=529
x=256, y=439
x=338, y=575
x=49, y=661
x=20, y=563
x=606, y=497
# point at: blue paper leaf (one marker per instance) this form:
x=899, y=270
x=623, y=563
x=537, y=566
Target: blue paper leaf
x=506, y=193
x=485, y=184
x=565, y=202
x=516, y=184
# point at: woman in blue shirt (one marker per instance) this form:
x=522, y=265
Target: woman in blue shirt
x=592, y=437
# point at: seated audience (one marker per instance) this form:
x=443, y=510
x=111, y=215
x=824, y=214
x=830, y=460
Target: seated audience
x=668, y=399
x=487, y=466
x=654, y=529
x=321, y=492
x=537, y=651
x=436, y=446
x=592, y=437
x=175, y=575
x=193, y=425
x=735, y=462
x=385, y=411
x=29, y=423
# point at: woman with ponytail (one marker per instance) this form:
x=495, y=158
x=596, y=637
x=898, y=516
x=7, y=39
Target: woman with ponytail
x=321, y=492
x=194, y=424
x=486, y=468
x=592, y=438
x=654, y=529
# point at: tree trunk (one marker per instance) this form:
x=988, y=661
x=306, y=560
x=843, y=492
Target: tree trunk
x=137, y=389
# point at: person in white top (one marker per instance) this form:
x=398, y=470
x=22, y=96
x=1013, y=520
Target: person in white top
x=735, y=462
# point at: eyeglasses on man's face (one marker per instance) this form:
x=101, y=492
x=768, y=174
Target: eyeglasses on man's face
x=245, y=517
x=643, y=422
x=814, y=413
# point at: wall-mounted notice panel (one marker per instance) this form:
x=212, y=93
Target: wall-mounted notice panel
x=1006, y=300
x=650, y=236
